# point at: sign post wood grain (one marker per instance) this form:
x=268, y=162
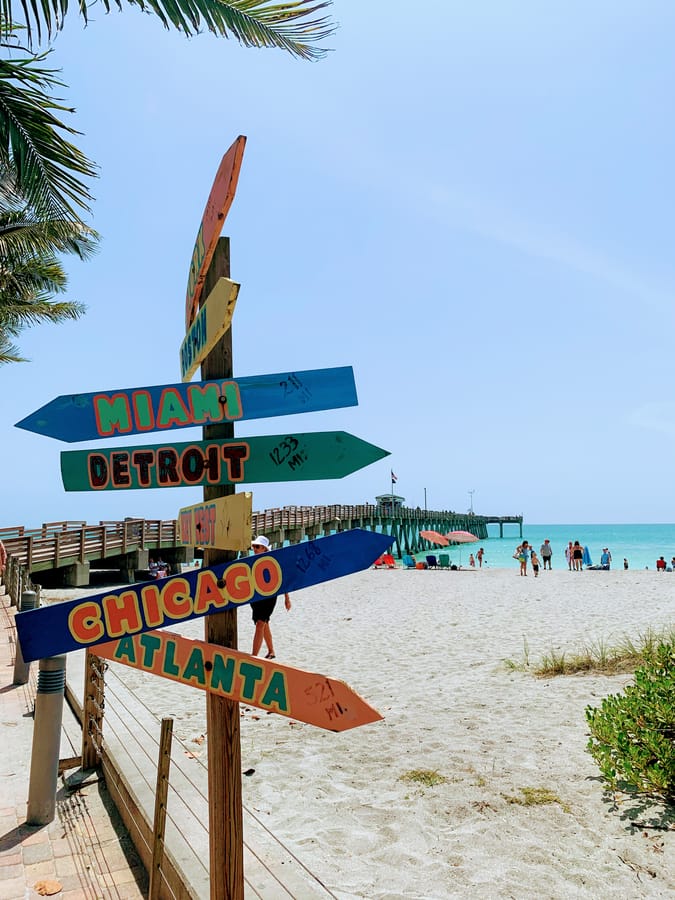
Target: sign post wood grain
x=226, y=826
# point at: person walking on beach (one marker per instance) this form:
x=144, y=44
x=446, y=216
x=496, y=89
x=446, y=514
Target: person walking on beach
x=261, y=610
x=577, y=556
x=522, y=553
x=569, y=555
x=625, y=562
x=534, y=559
x=472, y=561
x=546, y=553
x=479, y=557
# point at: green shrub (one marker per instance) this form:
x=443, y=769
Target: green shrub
x=633, y=734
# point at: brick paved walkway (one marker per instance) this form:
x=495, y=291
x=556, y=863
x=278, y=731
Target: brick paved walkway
x=85, y=853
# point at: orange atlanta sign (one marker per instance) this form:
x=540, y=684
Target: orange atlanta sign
x=305, y=696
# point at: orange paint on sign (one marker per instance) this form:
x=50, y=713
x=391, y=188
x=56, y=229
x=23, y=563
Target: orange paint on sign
x=305, y=696
x=217, y=207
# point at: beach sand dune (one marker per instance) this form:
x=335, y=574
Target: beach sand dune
x=428, y=649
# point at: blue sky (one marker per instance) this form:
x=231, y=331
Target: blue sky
x=471, y=205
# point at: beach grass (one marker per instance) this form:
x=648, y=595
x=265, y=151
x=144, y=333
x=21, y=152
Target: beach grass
x=531, y=796
x=425, y=777
x=596, y=657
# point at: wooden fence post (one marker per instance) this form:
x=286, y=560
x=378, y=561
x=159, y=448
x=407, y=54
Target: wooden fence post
x=92, y=710
x=161, y=796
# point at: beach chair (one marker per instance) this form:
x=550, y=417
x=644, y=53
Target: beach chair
x=389, y=560
x=443, y=561
x=408, y=561
x=432, y=563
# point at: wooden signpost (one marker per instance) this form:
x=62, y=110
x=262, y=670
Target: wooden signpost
x=122, y=623
x=163, y=407
x=217, y=207
x=137, y=608
x=210, y=324
x=224, y=522
x=305, y=696
x=271, y=458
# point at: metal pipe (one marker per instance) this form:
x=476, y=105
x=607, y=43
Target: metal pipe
x=44, y=763
x=29, y=600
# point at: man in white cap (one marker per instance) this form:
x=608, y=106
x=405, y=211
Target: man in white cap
x=263, y=609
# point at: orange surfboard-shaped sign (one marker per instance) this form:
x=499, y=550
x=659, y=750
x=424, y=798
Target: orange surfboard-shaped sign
x=217, y=207
x=304, y=696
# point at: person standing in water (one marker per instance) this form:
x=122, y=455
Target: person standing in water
x=261, y=610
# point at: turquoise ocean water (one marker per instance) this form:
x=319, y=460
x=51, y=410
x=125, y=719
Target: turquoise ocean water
x=641, y=545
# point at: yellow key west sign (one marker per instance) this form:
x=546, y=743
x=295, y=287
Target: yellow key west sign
x=224, y=523
x=210, y=324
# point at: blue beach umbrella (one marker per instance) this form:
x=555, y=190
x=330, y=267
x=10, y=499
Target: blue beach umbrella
x=586, y=558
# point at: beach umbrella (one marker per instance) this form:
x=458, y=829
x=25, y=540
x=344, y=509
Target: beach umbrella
x=586, y=558
x=461, y=537
x=435, y=538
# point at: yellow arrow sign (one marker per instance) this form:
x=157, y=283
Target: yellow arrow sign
x=305, y=696
x=224, y=523
x=211, y=323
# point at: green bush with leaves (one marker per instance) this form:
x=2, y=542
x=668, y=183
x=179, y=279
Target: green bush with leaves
x=633, y=734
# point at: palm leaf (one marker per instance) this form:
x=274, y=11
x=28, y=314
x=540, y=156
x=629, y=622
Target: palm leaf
x=9, y=351
x=46, y=165
x=294, y=26
x=31, y=273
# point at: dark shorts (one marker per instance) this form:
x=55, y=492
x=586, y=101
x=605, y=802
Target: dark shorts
x=261, y=610
x=535, y=567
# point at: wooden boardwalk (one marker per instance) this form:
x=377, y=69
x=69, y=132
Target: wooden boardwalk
x=57, y=545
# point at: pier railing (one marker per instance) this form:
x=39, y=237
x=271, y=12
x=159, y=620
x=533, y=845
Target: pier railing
x=56, y=544
x=61, y=543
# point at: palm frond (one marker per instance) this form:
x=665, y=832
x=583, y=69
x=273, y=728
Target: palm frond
x=9, y=351
x=293, y=26
x=22, y=234
x=16, y=316
x=46, y=165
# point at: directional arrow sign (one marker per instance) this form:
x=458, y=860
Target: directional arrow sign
x=134, y=609
x=277, y=457
x=224, y=523
x=211, y=323
x=305, y=696
x=85, y=417
x=217, y=207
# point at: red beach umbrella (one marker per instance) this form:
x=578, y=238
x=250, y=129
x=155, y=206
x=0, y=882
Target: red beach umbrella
x=435, y=538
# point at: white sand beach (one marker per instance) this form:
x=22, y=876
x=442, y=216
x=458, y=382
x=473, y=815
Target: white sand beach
x=428, y=649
